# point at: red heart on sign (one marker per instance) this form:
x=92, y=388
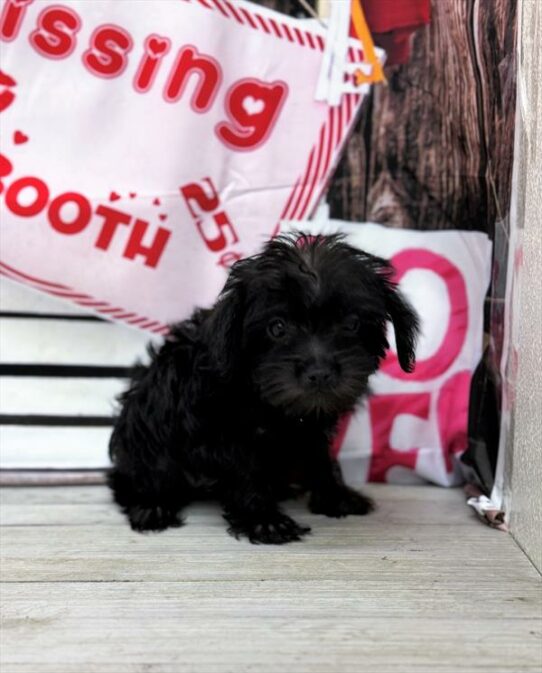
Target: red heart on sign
x=5, y=166
x=6, y=99
x=158, y=45
x=114, y=196
x=6, y=80
x=156, y=202
x=6, y=96
x=133, y=195
x=162, y=216
x=5, y=169
x=19, y=138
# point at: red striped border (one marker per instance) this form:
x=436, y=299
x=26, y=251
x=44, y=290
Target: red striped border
x=102, y=307
x=257, y=21
x=310, y=186
x=307, y=190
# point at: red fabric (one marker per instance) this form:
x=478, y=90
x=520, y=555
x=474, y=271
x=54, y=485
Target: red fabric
x=392, y=23
x=384, y=16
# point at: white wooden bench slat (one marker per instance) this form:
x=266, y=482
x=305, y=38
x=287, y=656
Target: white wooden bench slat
x=59, y=396
x=51, y=447
x=26, y=340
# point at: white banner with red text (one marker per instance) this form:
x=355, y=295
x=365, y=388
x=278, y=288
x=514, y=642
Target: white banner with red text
x=148, y=145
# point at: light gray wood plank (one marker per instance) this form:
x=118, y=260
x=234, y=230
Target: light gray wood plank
x=418, y=587
x=298, y=599
x=238, y=642
x=201, y=550
x=98, y=514
x=195, y=558
x=442, y=501
x=67, y=507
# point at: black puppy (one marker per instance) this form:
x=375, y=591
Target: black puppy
x=245, y=395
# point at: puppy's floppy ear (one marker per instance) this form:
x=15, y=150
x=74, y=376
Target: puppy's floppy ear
x=405, y=325
x=223, y=327
x=405, y=320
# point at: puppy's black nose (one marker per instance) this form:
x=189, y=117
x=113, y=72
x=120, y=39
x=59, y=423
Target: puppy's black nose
x=318, y=376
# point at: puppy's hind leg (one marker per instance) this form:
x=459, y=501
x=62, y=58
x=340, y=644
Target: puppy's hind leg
x=145, y=507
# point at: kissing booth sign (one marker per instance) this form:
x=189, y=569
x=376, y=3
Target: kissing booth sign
x=146, y=146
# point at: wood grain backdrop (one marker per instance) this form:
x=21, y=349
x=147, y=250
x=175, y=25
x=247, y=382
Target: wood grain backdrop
x=433, y=149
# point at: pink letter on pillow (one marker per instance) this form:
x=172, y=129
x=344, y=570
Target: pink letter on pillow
x=456, y=330
x=453, y=415
x=383, y=410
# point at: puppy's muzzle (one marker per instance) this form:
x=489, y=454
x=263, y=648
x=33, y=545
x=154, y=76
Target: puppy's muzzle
x=318, y=374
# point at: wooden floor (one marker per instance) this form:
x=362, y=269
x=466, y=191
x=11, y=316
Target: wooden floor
x=419, y=586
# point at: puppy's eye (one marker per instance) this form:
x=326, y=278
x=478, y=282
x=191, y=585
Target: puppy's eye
x=351, y=323
x=277, y=328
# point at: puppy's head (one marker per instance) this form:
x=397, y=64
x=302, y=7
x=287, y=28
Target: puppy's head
x=304, y=323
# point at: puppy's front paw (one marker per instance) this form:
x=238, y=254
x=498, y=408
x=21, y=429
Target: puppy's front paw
x=275, y=528
x=340, y=502
x=146, y=519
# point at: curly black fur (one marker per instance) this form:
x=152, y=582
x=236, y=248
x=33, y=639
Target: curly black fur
x=244, y=395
